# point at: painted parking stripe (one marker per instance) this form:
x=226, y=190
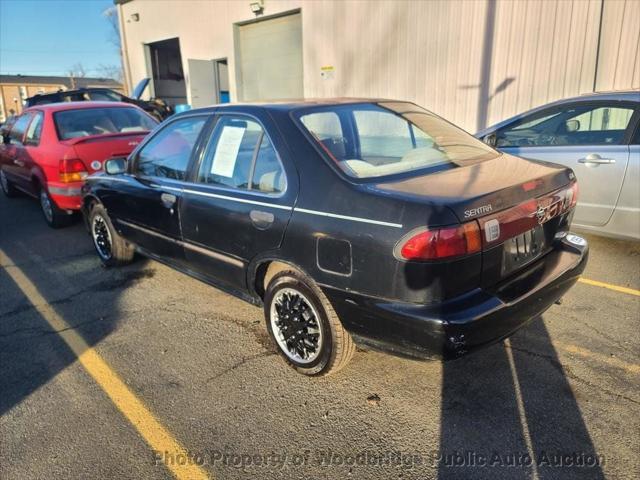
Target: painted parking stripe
x=522, y=415
x=616, y=288
x=133, y=409
x=612, y=361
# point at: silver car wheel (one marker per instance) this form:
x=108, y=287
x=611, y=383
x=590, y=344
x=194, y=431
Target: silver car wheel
x=101, y=237
x=45, y=203
x=296, y=326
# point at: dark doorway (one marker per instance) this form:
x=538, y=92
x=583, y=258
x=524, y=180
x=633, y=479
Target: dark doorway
x=165, y=63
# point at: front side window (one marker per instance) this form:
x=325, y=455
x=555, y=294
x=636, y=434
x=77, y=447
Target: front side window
x=373, y=140
x=240, y=155
x=167, y=154
x=571, y=125
x=35, y=129
x=101, y=121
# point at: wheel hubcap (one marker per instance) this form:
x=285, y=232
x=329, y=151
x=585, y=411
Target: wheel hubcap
x=101, y=237
x=45, y=203
x=295, y=325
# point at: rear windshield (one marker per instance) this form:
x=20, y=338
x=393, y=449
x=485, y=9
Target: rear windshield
x=101, y=121
x=373, y=140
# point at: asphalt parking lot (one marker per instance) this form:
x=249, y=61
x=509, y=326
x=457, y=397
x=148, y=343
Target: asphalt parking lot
x=143, y=372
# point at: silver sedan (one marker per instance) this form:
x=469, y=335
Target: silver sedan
x=598, y=136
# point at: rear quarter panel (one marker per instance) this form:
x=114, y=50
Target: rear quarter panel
x=330, y=207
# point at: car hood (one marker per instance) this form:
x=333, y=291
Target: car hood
x=140, y=88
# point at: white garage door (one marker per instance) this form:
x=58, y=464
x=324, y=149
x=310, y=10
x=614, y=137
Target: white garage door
x=271, y=59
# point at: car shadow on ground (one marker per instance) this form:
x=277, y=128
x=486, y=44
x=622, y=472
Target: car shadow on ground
x=63, y=268
x=509, y=412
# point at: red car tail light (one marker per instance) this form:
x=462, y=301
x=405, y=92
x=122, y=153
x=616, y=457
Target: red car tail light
x=72, y=170
x=441, y=243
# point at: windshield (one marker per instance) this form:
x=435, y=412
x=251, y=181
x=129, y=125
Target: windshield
x=101, y=121
x=373, y=140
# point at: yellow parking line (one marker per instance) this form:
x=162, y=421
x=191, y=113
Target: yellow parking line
x=158, y=438
x=612, y=361
x=617, y=288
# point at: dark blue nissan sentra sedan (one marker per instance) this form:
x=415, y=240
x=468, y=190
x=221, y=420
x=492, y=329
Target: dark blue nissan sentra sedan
x=350, y=221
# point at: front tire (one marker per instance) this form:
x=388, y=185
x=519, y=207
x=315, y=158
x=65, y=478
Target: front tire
x=112, y=249
x=54, y=216
x=7, y=187
x=304, y=325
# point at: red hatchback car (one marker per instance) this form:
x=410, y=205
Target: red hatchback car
x=49, y=150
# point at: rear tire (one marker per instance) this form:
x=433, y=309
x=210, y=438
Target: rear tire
x=54, y=216
x=304, y=326
x=7, y=187
x=112, y=249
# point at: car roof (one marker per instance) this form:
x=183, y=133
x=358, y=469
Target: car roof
x=293, y=104
x=622, y=95
x=62, y=106
x=70, y=92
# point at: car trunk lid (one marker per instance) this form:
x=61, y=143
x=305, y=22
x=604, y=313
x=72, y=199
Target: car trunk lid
x=94, y=150
x=519, y=205
x=483, y=188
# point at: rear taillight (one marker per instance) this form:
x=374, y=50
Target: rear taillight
x=72, y=170
x=441, y=243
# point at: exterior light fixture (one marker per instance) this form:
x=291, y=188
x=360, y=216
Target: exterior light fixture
x=257, y=8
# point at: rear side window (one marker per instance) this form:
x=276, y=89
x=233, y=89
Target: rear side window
x=167, y=154
x=18, y=129
x=100, y=121
x=240, y=155
x=572, y=125
x=35, y=130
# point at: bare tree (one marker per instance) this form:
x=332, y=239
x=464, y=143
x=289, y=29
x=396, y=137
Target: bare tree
x=111, y=15
x=113, y=72
x=76, y=71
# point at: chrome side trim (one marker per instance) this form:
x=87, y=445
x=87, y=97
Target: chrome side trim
x=204, y=251
x=273, y=205
x=347, y=217
x=233, y=199
x=108, y=178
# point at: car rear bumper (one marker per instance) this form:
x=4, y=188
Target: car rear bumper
x=67, y=196
x=460, y=325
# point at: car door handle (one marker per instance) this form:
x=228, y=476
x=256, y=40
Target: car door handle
x=20, y=163
x=261, y=220
x=168, y=199
x=596, y=159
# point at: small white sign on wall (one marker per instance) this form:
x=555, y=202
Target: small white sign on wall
x=327, y=72
x=224, y=160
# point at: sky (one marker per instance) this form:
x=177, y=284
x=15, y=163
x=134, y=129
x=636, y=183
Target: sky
x=49, y=37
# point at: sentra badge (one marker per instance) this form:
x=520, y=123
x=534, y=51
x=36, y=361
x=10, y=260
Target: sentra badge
x=478, y=211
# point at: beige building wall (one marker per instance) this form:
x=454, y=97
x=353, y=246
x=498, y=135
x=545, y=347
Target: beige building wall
x=11, y=96
x=474, y=62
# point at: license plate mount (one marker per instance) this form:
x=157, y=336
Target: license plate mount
x=523, y=249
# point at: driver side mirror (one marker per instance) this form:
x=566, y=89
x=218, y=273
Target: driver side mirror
x=115, y=166
x=490, y=139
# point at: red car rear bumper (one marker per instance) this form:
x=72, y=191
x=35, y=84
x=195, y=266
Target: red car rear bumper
x=67, y=196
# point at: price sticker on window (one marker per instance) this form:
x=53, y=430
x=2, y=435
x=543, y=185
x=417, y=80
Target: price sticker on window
x=224, y=160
